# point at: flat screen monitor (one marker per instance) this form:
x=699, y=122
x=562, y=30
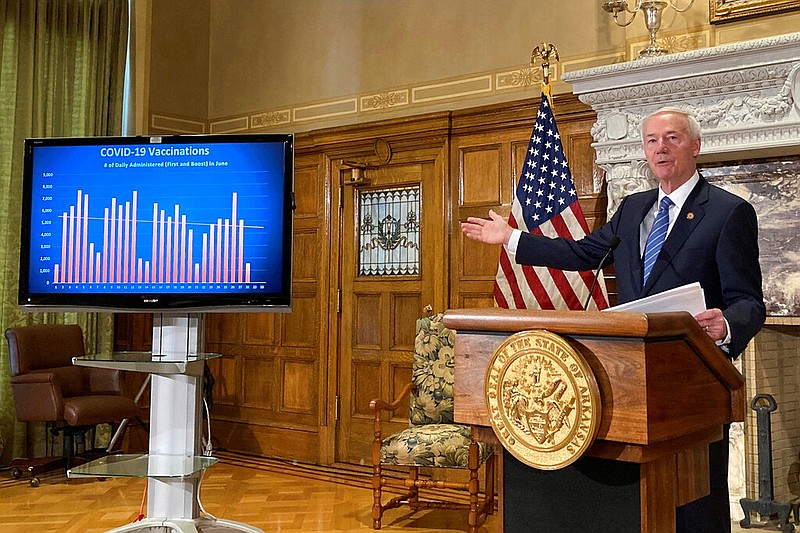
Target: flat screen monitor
x=158, y=223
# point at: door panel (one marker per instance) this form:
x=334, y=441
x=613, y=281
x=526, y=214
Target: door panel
x=379, y=308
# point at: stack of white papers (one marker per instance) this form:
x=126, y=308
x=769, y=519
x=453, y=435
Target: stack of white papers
x=689, y=298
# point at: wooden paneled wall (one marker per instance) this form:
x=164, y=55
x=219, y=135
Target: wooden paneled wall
x=296, y=385
x=270, y=389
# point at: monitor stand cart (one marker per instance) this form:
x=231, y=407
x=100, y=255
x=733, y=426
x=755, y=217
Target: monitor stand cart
x=174, y=465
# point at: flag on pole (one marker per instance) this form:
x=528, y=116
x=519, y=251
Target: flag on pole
x=545, y=203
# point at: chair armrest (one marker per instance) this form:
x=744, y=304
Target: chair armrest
x=37, y=397
x=377, y=405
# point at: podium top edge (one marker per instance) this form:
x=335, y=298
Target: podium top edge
x=593, y=323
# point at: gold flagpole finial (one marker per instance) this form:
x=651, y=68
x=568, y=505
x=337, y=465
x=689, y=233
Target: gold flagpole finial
x=544, y=52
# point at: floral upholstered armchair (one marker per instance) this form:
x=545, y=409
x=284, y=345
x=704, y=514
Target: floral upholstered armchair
x=432, y=439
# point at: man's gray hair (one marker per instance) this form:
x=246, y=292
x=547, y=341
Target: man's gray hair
x=694, y=126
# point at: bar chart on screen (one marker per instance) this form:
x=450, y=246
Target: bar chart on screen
x=206, y=221
x=163, y=247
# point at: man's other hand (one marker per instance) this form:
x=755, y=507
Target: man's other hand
x=713, y=323
x=493, y=231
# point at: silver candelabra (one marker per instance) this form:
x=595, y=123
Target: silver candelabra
x=652, y=10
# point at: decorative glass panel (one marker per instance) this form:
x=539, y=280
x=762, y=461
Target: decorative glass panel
x=389, y=232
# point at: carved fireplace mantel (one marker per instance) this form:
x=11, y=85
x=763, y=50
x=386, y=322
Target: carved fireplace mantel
x=746, y=97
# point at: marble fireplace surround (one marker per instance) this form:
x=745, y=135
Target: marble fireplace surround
x=746, y=97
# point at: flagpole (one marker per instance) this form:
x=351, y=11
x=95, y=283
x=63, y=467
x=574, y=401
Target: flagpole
x=544, y=52
x=545, y=203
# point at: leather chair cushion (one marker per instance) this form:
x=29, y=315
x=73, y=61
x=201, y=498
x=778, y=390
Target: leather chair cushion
x=98, y=409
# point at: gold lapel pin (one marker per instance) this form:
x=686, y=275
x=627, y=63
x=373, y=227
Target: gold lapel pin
x=689, y=216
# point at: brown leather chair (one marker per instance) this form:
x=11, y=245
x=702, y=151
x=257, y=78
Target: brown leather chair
x=47, y=387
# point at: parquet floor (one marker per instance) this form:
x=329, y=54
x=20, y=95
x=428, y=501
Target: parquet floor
x=271, y=495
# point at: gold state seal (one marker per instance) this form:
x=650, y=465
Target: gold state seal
x=543, y=400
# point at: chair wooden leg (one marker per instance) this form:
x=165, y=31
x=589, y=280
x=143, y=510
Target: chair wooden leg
x=478, y=509
x=474, y=486
x=413, y=490
x=377, y=509
x=489, y=484
x=377, y=482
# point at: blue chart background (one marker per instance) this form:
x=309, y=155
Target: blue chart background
x=204, y=193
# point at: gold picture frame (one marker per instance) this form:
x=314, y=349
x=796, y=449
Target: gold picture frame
x=729, y=10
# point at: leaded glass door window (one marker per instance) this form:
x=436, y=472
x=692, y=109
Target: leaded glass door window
x=388, y=231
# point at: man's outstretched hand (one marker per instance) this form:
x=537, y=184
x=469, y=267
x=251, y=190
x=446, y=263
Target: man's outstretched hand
x=493, y=231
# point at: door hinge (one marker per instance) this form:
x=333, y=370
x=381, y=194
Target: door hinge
x=336, y=408
x=338, y=300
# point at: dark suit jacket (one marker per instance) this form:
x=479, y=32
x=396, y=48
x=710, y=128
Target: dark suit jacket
x=714, y=241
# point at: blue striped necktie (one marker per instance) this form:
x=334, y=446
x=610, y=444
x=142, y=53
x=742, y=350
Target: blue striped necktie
x=657, y=236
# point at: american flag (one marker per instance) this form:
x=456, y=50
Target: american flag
x=546, y=204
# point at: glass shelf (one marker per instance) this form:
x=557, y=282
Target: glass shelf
x=168, y=363
x=137, y=465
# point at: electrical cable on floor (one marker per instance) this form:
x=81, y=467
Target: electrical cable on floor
x=199, y=503
x=208, y=448
x=207, y=451
x=141, y=514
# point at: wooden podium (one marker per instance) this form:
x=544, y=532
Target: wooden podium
x=666, y=391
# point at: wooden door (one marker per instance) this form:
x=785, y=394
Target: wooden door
x=393, y=262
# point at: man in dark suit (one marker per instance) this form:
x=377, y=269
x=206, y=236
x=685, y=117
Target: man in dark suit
x=711, y=238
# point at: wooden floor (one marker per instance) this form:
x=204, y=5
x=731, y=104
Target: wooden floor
x=270, y=495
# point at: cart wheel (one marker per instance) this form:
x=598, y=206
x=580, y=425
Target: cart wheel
x=16, y=472
x=35, y=482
